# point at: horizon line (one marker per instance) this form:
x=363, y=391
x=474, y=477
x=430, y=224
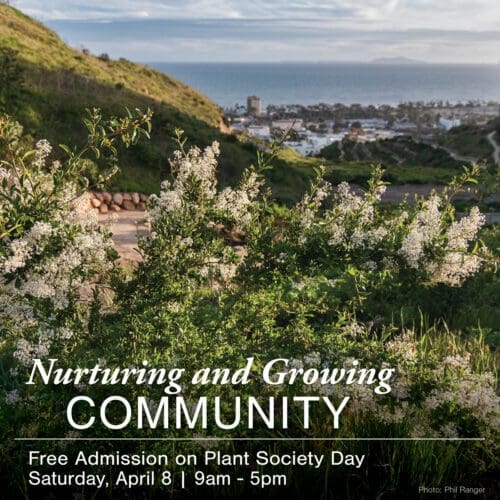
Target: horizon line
x=298, y=61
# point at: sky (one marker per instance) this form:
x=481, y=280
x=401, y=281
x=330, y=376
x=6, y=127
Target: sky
x=438, y=31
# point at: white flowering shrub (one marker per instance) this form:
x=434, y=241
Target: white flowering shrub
x=423, y=239
x=50, y=244
x=227, y=275
x=191, y=223
x=437, y=392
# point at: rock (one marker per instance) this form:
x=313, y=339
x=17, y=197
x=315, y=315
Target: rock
x=234, y=237
x=136, y=198
x=115, y=208
x=141, y=206
x=99, y=196
x=95, y=202
x=128, y=205
x=143, y=197
x=118, y=198
x=107, y=197
x=103, y=208
x=127, y=196
x=90, y=197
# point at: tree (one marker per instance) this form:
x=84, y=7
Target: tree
x=11, y=79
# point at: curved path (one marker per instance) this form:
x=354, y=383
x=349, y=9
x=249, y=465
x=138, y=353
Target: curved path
x=496, y=146
x=126, y=227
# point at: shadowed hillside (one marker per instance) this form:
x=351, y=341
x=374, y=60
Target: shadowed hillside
x=60, y=82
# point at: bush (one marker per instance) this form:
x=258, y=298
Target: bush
x=11, y=79
x=227, y=275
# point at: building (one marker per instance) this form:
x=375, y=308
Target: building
x=260, y=131
x=289, y=124
x=448, y=124
x=404, y=125
x=254, y=105
x=369, y=123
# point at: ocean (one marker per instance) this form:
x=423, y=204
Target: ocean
x=310, y=83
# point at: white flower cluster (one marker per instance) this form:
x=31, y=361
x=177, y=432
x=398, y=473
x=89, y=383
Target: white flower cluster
x=457, y=264
x=442, y=253
x=43, y=272
x=427, y=241
x=472, y=393
x=195, y=188
x=311, y=203
x=42, y=152
x=13, y=397
x=350, y=220
x=451, y=385
x=194, y=170
x=43, y=269
x=237, y=202
x=404, y=347
x=23, y=248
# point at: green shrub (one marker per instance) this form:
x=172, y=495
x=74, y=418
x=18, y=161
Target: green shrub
x=226, y=275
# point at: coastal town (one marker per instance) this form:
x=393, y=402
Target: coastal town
x=309, y=129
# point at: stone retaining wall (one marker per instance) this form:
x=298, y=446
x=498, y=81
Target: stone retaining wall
x=115, y=202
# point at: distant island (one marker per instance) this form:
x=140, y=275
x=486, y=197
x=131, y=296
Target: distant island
x=396, y=60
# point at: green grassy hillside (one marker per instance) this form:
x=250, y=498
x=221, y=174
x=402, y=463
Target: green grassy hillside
x=471, y=140
x=360, y=171
x=402, y=151
x=61, y=82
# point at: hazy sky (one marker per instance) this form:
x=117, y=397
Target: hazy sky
x=277, y=30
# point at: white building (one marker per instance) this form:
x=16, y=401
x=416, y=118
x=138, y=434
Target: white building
x=260, y=131
x=371, y=123
x=297, y=125
x=404, y=125
x=449, y=123
x=312, y=144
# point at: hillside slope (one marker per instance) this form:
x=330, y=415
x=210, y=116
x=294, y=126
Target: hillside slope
x=61, y=82
x=404, y=151
x=472, y=140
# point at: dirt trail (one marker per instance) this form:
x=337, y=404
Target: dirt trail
x=496, y=146
x=456, y=156
x=126, y=226
x=395, y=194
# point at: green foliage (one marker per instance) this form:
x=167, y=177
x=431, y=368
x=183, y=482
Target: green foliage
x=471, y=141
x=11, y=79
x=401, y=151
x=27, y=197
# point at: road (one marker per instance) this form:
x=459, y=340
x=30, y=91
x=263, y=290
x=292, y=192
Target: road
x=395, y=194
x=496, y=147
